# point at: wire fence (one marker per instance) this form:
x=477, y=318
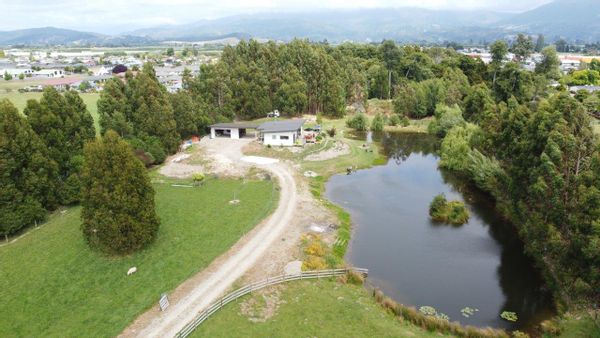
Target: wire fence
x=217, y=305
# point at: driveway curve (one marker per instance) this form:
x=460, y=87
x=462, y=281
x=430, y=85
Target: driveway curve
x=238, y=261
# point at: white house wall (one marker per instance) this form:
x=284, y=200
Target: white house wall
x=274, y=139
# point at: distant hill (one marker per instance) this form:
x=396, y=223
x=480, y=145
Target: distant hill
x=45, y=36
x=572, y=19
x=407, y=24
x=51, y=36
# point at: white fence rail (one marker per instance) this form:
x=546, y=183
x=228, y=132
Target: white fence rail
x=214, y=307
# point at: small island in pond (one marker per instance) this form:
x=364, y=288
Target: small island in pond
x=453, y=212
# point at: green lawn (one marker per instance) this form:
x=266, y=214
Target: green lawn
x=322, y=308
x=53, y=285
x=579, y=325
x=20, y=100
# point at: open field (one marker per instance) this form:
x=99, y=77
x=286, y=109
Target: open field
x=20, y=101
x=323, y=308
x=53, y=285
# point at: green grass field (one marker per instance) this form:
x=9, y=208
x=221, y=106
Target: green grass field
x=20, y=100
x=53, y=285
x=322, y=308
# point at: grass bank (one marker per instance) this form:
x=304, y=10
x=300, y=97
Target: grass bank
x=53, y=285
x=322, y=308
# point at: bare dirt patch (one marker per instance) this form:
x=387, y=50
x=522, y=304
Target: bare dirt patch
x=262, y=305
x=339, y=148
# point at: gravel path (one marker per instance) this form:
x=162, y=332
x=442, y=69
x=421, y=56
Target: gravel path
x=237, y=261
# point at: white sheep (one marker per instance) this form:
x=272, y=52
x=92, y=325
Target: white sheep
x=131, y=271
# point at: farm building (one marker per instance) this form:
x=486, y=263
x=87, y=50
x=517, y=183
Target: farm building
x=233, y=130
x=281, y=133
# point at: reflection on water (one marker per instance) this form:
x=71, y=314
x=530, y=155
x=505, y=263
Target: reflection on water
x=480, y=264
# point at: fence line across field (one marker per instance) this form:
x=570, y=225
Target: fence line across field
x=217, y=305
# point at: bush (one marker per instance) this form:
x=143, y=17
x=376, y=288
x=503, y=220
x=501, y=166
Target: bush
x=458, y=213
x=331, y=132
x=405, y=121
x=437, y=208
x=198, y=178
x=355, y=278
x=314, y=263
x=315, y=249
x=453, y=212
x=378, y=123
x=394, y=120
x=358, y=122
x=446, y=118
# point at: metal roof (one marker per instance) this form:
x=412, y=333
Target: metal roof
x=234, y=125
x=278, y=126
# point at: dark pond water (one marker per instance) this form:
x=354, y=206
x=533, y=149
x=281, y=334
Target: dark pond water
x=415, y=261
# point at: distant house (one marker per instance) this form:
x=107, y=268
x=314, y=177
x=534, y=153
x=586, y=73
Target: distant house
x=591, y=89
x=102, y=71
x=49, y=73
x=15, y=72
x=281, y=133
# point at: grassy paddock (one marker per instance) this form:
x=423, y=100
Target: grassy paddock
x=53, y=285
x=20, y=100
x=322, y=308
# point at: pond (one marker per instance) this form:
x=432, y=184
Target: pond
x=418, y=262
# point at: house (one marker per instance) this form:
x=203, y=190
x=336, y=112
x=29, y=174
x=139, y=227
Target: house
x=50, y=73
x=281, y=133
x=275, y=133
x=15, y=72
x=590, y=89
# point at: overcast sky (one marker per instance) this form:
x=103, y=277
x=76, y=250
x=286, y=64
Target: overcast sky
x=117, y=16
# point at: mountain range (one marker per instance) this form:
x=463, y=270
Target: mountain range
x=575, y=20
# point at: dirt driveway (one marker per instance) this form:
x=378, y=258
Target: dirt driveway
x=198, y=292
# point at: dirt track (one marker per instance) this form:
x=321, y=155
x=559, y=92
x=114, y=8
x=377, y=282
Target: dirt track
x=209, y=284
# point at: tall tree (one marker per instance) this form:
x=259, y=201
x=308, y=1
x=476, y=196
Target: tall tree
x=118, y=200
x=64, y=125
x=549, y=65
x=151, y=112
x=522, y=47
x=540, y=43
x=28, y=176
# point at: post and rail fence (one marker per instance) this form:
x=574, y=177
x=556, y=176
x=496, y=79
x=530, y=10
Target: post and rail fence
x=217, y=305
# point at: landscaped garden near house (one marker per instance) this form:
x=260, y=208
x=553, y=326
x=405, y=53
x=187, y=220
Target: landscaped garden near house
x=52, y=284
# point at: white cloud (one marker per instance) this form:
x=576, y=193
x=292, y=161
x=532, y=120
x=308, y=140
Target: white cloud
x=116, y=16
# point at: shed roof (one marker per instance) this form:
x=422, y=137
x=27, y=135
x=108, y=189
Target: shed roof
x=278, y=126
x=234, y=125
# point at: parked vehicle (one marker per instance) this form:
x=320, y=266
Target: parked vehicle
x=274, y=113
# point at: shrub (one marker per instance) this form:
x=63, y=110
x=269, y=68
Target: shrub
x=437, y=208
x=314, y=263
x=378, y=123
x=331, y=132
x=315, y=249
x=355, y=278
x=198, y=178
x=405, y=121
x=453, y=212
x=394, y=120
x=358, y=122
x=458, y=213
x=446, y=118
